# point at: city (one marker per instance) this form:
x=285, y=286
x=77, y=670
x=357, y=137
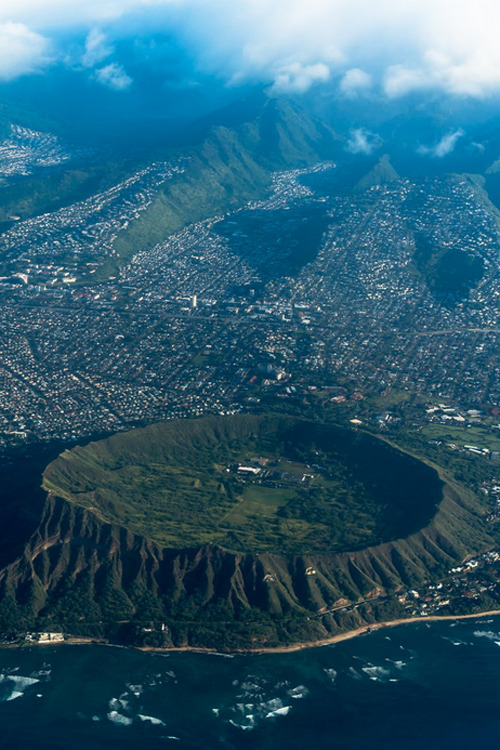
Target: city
x=193, y=325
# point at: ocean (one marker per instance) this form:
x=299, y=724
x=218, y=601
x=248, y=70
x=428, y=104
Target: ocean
x=419, y=686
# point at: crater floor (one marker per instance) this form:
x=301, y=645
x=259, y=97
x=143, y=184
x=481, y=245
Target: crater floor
x=251, y=484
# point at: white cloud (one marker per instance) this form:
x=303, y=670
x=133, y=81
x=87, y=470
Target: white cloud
x=297, y=77
x=355, y=81
x=446, y=145
x=21, y=51
x=114, y=77
x=362, y=141
x=48, y=14
x=398, y=46
x=400, y=80
x=479, y=147
x=97, y=48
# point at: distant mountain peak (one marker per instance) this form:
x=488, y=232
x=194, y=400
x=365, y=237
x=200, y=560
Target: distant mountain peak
x=382, y=173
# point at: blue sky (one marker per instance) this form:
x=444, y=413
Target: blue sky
x=354, y=48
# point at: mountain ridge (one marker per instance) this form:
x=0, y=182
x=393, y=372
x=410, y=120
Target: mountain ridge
x=98, y=579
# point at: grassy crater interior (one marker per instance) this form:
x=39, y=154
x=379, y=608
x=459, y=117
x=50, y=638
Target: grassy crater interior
x=251, y=484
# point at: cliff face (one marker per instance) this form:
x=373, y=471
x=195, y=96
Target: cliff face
x=95, y=578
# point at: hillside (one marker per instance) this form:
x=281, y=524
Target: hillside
x=228, y=160
x=230, y=167
x=303, y=488
x=382, y=173
x=89, y=576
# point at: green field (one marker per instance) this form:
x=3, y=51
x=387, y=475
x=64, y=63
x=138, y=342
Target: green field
x=320, y=488
x=482, y=437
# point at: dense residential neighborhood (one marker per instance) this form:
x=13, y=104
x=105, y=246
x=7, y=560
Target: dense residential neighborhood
x=195, y=325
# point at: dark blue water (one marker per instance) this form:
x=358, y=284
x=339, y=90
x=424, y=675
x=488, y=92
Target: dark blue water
x=432, y=686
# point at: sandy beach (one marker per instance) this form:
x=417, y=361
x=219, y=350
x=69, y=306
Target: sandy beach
x=335, y=638
x=363, y=630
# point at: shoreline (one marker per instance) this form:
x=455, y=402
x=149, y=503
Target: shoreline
x=348, y=635
x=366, y=629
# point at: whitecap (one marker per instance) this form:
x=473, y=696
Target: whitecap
x=15, y=694
x=278, y=712
x=18, y=686
x=151, y=719
x=250, y=687
x=136, y=689
x=117, y=704
x=119, y=719
x=247, y=711
x=216, y=711
x=398, y=663
x=455, y=641
x=376, y=673
x=42, y=674
x=298, y=692
x=486, y=634
x=21, y=682
x=245, y=727
x=332, y=674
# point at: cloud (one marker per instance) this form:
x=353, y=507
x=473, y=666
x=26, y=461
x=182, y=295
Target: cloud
x=477, y=76
x=355, y=81
x=401, y=46
x=443, y=147
x=97, y=48
x=362, y=141
x=478, y=147
x=114, y=77
x=395, y=47
x=50, y=14
x=299, y=78
x=21, y=51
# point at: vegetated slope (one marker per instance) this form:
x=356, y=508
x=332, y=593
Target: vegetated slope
x=382, y=173
x=94, y=578
x=232, y=166
x=310, y=488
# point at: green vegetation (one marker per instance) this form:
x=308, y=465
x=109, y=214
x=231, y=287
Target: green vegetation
x=382, y=173
x=317, y=488
x=487, y=189
x=276, y=568
x=477, y=436
x=42, y=193
x=231, y=167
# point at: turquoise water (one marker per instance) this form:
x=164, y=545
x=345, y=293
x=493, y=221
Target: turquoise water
x=411, y=687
